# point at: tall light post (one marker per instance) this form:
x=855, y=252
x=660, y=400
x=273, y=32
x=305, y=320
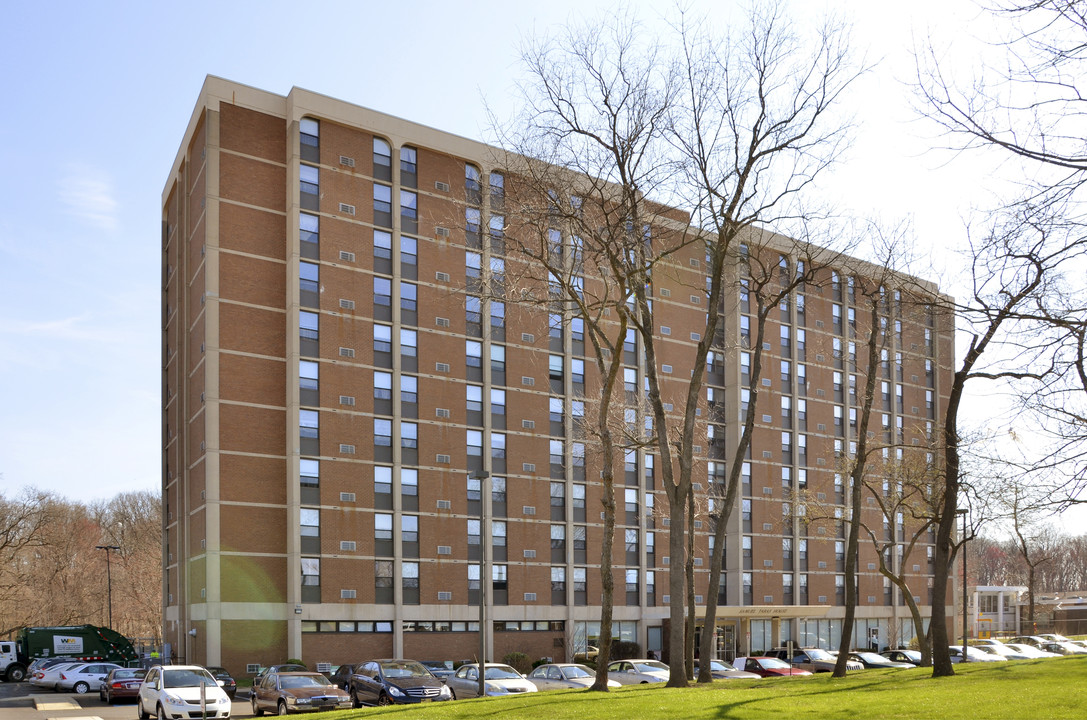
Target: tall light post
x=109, y=580
x=484, y=479
x=962, y=548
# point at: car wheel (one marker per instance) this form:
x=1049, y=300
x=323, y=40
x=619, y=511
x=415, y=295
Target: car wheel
x=282, y=708
x=140, y=713
x=452, y=693
x=161, y=712
x=81, y=687
x=383, y=699
x=16, y=673
x=354, y=698
x=256, y=710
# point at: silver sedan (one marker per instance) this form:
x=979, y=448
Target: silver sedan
x=564, y=676
x=500, y=680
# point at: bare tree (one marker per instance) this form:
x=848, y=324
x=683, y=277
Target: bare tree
x=733, y=130
x=23, y=521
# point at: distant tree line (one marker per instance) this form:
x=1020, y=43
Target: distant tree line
x=52, y=572
x=1061, y=564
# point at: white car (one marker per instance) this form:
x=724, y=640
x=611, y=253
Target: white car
x=1030, y=651
x=173, y=692
x=84, y=677
x=563, y=676
x=48, y=677
x=973, y=654
x=500, y=680
x=638, y=672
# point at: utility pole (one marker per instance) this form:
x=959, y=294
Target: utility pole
x=109, y=580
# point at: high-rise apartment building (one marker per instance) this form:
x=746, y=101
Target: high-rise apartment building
x=339, y=397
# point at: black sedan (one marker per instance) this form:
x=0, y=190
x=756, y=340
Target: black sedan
x=388, y=682
x=229, y=685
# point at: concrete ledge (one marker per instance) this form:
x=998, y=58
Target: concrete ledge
x=54, y=702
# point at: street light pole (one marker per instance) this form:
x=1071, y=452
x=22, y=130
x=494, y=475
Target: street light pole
x=962, y=549
x=484, y=478
x=109, y=580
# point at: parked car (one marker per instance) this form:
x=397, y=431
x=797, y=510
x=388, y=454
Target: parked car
x=47, y=677
x=1030, y=651
x=903, y=656
x=872, y=661
x=121, y=683
x=638, y=672
x=442, y=669
x=563, y=676
x=84, y=677
x=813, y=659
x=499, y=680
x=385, y=682
x=974, y=654
x=722, y=670
x=767, y=667
x=341, y=677
x=172, y=692
x=1005, y=651
x=1063, y=648
x=229, y=685
x=592, y=652
x=286, y=667
x=294, y=692
x=1032, y=640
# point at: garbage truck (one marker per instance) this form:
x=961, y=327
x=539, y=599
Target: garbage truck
x=78, y=642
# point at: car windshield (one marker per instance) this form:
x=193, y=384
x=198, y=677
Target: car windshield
x=817, y=654
x=439, y=664
x=870, y=657
x=403, y=669
x=720, y=666
x=122, y=673
x=773, y=664
x=190, y=677
x=502, y=672
x=576, y=671
x=650, y=666
x=303, y=681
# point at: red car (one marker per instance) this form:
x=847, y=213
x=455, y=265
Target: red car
x=121, y=683
x=767, y=667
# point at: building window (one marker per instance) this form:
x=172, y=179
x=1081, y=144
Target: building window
x=309, y=236
x=472, y=187
x=383, y=534
x=498, y=190
x=408, y=303
x=383, y=298
x=383, y=160
x=309, y=286
x=408, y=167
x=409, y=212
x=473, y=359
x=308, y=432
x=308, y=335
x=383, y=582
x=383, y=487
x=558, y=586
x=309, y=186
x=383, y=433
x=409, y=350
x=409, y=535
x=309, y=472
x=308, y=383
x=383, y=252
x=383, y=205
x=309, y=139
x=581, y=595
x=409, y=573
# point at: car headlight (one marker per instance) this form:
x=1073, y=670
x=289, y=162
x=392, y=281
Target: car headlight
x=395, y=691
x=445, y=692
x=172, y=699
x=495, y=689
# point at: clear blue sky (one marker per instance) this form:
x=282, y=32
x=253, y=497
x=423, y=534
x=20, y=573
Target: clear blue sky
x=97, y=96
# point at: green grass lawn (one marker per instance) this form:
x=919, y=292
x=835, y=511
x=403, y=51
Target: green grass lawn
x=1020, y=690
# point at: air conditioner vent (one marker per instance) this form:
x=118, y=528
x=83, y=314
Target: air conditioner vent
x=443, y=186
x=347, y=209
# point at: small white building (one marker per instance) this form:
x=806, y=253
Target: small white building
x=996, y=609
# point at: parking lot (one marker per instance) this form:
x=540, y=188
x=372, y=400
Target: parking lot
x=23, y=701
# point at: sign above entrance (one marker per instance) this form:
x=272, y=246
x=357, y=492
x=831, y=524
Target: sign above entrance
x=774, y=611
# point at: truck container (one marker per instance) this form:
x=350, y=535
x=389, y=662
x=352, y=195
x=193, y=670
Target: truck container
x=78, y=642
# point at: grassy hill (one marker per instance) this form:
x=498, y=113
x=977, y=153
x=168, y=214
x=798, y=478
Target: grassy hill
x=1021, y=690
